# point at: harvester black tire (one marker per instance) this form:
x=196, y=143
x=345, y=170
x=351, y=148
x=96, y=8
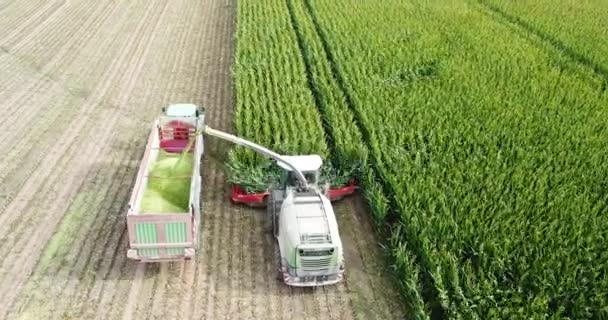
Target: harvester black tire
x=269, y=226
x=275, y=221
x=277, y=259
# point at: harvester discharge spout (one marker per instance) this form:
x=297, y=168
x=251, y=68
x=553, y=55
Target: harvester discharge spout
x=259, y=149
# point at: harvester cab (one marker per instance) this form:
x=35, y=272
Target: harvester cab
x=309, y=165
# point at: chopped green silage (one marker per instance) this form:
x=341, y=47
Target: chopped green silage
x=168, y=187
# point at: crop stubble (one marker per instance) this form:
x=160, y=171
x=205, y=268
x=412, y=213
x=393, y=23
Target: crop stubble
x=79, y=114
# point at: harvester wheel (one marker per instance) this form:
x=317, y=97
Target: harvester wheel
x=270, y=214
x=275, y=222
x=274, y=211
x=277, y=259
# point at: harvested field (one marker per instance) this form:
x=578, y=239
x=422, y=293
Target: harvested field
x=80, y=84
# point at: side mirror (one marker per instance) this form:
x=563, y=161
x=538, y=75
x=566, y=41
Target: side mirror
x=163, y=109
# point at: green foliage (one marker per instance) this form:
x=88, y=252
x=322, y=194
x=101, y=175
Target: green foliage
x=277, y=107
x=479, y=135
x=252, y=178
x=489, y=145
x=579, y=28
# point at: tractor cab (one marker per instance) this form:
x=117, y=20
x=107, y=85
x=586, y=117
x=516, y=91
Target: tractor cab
x=177, y=126
x=309, y=165
x=188, y=115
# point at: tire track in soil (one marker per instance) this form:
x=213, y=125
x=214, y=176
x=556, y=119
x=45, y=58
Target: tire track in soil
x=85, y=112
x=135, y=288
x=47, y=71
x=240, y=260
x=20, y=23
x=6, y=13
x=136, y=69
x=113, y=190
x=55, y=24
x=205, y=286
x=113, y=309
x=13, y=78
x=22, y=219
x=46, y=129
x=273, y=285
x=372, y=294
x=27, y=30
x=188, y=268
x=172, y=287
x=221, y=275
x=159, y=272
x=68, y=44
x=221, y=219
x=48, y=39
x=111, y=233
x=39, y=241
x=103, y=295
x=102, y=240
x=143, y=142
x=113, y=250
x=262, y=257
x=174, y=291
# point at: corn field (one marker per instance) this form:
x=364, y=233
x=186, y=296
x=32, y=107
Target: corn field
x=480, y=130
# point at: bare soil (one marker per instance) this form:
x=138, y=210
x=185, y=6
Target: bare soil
x=80, y=83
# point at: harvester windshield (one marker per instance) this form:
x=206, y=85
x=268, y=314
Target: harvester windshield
x=309, y=166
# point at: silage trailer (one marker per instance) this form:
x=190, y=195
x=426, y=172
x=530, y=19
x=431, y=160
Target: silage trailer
x=159, y=228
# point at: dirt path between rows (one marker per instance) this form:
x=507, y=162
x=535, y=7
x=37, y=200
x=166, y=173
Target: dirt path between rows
x=90, y=78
